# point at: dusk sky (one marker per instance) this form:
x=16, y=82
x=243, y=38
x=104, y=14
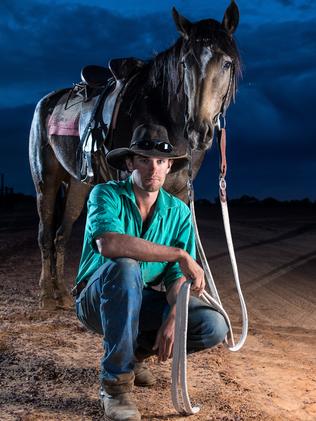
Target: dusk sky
x=271, y=142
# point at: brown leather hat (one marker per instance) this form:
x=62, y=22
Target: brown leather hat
x=149, y=140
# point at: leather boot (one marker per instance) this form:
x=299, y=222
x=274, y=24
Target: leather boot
x=143, y=376
x=116, y=399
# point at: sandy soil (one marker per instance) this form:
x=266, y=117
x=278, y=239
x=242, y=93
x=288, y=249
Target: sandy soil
x=49, y=362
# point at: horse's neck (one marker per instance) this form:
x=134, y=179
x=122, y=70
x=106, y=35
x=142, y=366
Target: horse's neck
x=175, y=104
x=163, y=100
x=152, y=99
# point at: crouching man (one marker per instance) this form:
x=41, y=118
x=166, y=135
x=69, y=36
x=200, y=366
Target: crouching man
x=137, y=236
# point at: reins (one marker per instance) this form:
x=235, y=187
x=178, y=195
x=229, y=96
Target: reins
x=179, y=392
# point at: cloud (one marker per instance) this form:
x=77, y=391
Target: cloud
x=282, y=49
x=57, y=37
x=299, y=4
x=270, y=128
x=47, y=47
x=286, y=2
x=278, y=88
x=14, y=164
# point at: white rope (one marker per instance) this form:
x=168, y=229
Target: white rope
x=206, y=268
x=180, y=398
x=179, y=390
x=231, y=250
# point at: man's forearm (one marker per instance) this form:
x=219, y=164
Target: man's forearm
x=113, y=245
x=173, y=291
x=172, y=295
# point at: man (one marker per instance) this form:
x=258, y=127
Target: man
x=137, y=236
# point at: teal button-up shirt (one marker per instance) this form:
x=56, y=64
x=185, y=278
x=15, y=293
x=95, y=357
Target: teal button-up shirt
x=112, y=208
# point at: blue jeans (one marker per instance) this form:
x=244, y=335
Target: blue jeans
x=116, y=305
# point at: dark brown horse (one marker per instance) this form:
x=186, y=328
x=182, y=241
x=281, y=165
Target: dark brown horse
x=184, y=88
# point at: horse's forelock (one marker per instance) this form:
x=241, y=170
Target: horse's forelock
x=210, y=33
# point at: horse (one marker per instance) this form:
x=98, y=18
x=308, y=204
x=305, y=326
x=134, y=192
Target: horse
x=184, y=88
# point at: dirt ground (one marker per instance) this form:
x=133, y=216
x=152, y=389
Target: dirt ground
x=49, y=362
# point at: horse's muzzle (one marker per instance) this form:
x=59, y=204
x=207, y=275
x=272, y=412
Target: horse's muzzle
x=200, y=135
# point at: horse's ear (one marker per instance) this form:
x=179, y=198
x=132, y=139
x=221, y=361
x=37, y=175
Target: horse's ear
x=183, y=24
x=231, y=18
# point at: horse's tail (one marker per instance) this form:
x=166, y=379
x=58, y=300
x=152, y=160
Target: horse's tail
x=38, y=133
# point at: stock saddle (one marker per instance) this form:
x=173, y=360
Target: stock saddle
x=101, y=91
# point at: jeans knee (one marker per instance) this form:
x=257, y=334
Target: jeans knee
x=220, y=329
x=126, y=263
x=209, y=329
x=217, y=329
x=126, y=267
x=126, y=273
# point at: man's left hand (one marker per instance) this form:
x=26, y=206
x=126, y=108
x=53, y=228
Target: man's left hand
x=165, y=338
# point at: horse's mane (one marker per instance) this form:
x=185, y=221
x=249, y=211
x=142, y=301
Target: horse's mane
x=163, y=70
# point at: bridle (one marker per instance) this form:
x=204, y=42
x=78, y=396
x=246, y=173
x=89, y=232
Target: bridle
x=219, y=120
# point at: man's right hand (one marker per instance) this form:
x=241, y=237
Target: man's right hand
x=193, y=271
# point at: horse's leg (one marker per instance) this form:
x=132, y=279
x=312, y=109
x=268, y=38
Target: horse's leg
x=75, y=200
x=47, y=174
x=46, y=198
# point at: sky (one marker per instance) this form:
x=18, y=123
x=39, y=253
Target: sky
x=271, y=145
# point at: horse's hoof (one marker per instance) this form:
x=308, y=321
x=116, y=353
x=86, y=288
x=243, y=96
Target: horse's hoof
x=66, y=301
x=47, y=303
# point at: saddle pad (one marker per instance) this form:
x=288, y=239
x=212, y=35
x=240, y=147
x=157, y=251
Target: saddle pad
x=65, y=122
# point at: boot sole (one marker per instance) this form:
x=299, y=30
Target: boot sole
x=105, y=417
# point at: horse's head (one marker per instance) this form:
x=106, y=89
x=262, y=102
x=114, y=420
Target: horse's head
x=210, y=64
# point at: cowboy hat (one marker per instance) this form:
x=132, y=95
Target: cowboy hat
x=148, y=140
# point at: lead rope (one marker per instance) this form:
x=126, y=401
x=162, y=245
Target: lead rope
x=179, y=389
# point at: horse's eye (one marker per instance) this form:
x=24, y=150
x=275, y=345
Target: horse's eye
x=227, y=65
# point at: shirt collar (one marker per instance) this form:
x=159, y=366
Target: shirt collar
x=164, y=201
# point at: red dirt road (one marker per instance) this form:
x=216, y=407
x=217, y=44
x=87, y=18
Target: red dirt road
x=49, y=362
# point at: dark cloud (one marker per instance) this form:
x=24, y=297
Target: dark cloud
x=271, y=146
x=306, y=6
x=286, y=2
x=278, y=90
x=270, y=128
x=14, y=164
x=298, y=4
x=279, y=49
x=50, y=45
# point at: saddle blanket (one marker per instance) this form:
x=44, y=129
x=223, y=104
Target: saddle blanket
x=65, y=122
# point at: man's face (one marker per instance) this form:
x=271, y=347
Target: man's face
x=149, y=174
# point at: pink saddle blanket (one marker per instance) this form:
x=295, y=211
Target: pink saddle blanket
x=65, y=122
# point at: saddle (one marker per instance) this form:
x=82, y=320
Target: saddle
x=101, y=90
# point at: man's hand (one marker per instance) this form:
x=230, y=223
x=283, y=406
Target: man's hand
x=165, y=338
x=193, y=271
